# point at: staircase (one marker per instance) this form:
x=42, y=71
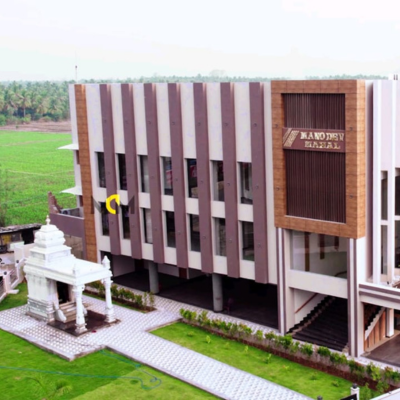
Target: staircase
x=370, y=312
x=69, y=311
x=326, y=325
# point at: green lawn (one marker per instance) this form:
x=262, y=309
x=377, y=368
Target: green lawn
x=33, y=167
x=15, y=300
x=136, y=382
x=279, y=370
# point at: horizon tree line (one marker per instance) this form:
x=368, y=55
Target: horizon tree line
x=25, y=101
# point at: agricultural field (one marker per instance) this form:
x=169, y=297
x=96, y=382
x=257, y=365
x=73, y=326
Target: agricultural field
x=31, y=166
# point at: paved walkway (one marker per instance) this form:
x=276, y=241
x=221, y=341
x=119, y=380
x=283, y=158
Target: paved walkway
x=130, y=337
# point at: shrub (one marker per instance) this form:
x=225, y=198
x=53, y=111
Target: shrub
x=234, y=328
x=382, y=387
x=115, y=292
x=285, y=341
x=391, y=375
x=395, y=377
x=366, y=394
x=139, y=300
x=189, y=315
x=374, y=372
x=3, y=120
x=145, y=299
x=323, y=351
x=338, y=358
x=151, y=299
x=270, y=336
x=259, y=335
x=203, y=319
x=307, y=349
x=246, y=330
x=294, y=347
x=128, y=295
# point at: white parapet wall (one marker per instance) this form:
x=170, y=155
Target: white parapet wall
x=311, y=282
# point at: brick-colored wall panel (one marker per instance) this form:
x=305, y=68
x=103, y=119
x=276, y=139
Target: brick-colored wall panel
x=330, y=86
x=278, y=86
x=295, y=86
x=84, y=159
x=354, y=91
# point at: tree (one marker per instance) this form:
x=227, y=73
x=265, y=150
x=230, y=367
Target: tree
x=24, y=99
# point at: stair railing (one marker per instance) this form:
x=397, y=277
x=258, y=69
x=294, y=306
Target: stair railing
x=301, y=307
x=373, y=323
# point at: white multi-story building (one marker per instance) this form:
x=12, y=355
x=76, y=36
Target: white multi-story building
x=293, y=185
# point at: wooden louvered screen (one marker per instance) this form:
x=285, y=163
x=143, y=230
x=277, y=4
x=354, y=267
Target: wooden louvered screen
x=315, y=181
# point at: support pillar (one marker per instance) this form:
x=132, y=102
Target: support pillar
x=109, y=311
x=80, y=318
x=389, y=322
x=153, y=277
x=218, y=302
x=356, y=250
x=355, y=390
x=6, y=281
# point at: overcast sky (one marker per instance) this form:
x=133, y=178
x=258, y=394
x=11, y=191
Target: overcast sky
x=45, y=39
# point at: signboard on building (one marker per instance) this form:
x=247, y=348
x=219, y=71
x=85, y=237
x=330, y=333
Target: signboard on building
x=329, y=140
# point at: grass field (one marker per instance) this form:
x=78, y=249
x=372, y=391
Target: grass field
x=294, y=376
x=135, y=381
x=33, y=166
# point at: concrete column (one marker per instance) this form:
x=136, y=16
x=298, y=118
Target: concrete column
x=389, y=322
x=80, y=318
x=109, y=311
x=218, y=300
x=376, y=204
x=153, y=277
x=355, y=390
x=7, y=281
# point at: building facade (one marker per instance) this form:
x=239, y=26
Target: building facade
x=286, y=183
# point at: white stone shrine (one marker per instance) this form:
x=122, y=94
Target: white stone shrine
x=56, y=280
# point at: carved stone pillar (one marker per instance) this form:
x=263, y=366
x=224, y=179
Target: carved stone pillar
x=80, y=318
x=110, y=317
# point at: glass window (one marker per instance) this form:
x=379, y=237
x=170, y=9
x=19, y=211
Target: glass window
x=125, y=221
x=218, y=180
x=220, y=237
x=194, y=232
x=167, y=172
x=148, y=235
x=384, y=249
x=319, y=254
x=192, y=177
x=122, y=171
x=101, y=170
x=247, y=241
x=144, y=174
x=384, y=196
x=246, y=187
x=170, y=224
x=397, y=192
x=104, y=219
x=397, y=243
